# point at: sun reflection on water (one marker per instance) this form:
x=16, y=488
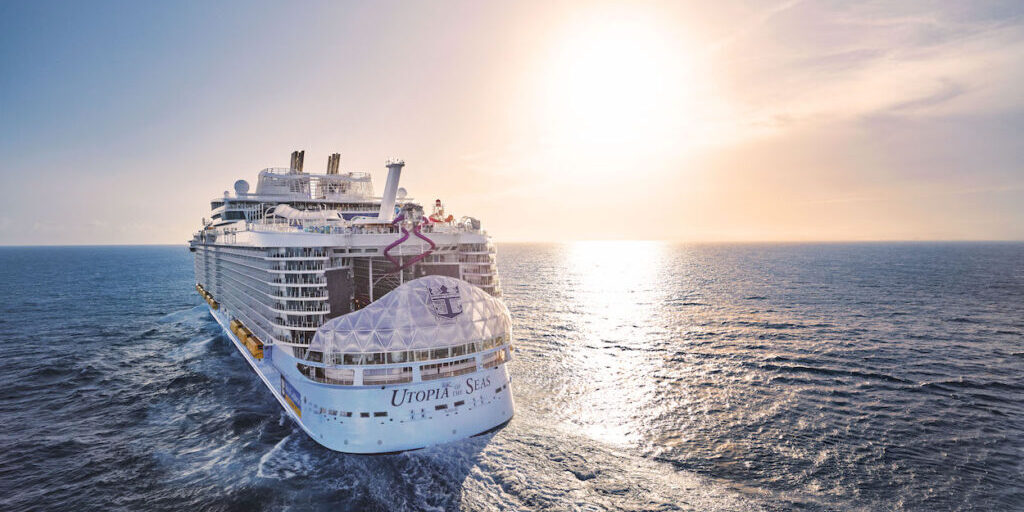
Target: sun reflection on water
x=614, y=290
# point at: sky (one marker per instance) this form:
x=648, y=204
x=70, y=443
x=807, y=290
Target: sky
x=549, y=121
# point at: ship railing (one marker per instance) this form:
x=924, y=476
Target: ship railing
x=294, y=279
x=409, y=371
x=433, y=371
x=296, y=253
x=494, y=359
x=411, y=356
x=298, y=269
x=273, y=227
x=328, y=375
x=289, y=308
x=449, y=229
x=479, y=273
x=290, y=295
x=380, y=376
x=294, y=324
x=477, y=258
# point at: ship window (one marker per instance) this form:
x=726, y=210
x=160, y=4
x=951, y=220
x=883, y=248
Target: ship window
x=494, y=359
x=329, y=376
x=398, y=357
x=377, y=376
x=422, y=355
x=364, y=415
x=458, y=350
x=439, y=353
x=380, y=414
x=447, y=369
x=440, y=407
x=460, y=402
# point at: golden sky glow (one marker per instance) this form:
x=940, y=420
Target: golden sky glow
x=548, y=121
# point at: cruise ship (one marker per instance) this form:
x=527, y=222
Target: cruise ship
x=377, y=327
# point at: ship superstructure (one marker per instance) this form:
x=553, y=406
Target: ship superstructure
x=378, y=328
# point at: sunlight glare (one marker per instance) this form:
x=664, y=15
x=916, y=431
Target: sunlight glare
x=616, y=284
x=617, y=79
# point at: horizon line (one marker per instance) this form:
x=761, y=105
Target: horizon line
x=553, y=242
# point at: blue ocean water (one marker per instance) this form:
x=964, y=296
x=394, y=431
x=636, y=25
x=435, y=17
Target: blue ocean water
x=647, y=376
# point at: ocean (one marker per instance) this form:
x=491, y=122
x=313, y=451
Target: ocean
x=647, y=376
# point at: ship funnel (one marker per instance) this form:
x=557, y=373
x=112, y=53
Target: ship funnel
x=297, y=158
x=387, y=201
x=332, y=163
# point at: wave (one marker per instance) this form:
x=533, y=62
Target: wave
x=970, y=384
x=195, y=315
x=962, y=320
x=818, y=370
x=283, y=461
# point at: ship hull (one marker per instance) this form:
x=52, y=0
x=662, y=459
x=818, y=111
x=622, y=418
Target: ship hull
x=383, y=419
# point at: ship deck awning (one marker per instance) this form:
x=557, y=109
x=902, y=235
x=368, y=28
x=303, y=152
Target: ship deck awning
x=287, y=212
x=425, y=313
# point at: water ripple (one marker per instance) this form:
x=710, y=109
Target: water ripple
x=647, y=377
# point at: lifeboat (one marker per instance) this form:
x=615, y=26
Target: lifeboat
x=247, y=338
x=255, y=346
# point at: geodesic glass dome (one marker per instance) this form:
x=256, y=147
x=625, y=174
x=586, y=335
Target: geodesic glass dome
x=425, y=313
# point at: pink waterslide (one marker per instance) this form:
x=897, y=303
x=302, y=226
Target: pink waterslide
x=405, y=236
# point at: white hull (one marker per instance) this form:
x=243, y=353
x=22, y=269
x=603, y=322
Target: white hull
x=389, y=418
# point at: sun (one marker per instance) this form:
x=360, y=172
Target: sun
x=614, y=78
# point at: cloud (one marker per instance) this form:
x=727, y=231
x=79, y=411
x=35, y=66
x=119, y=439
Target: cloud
x=948, y=91
x=750, y=24
x=806, y=64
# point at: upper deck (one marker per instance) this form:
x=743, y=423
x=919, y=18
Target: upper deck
x=285, y=184
x=348, y=192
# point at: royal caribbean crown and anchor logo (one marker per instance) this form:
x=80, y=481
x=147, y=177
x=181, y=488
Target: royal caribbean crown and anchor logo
x=444, y=302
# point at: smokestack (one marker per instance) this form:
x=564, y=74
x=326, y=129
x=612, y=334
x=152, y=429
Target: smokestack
x=297, y=158
x=332, y=163
x=387, y=201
